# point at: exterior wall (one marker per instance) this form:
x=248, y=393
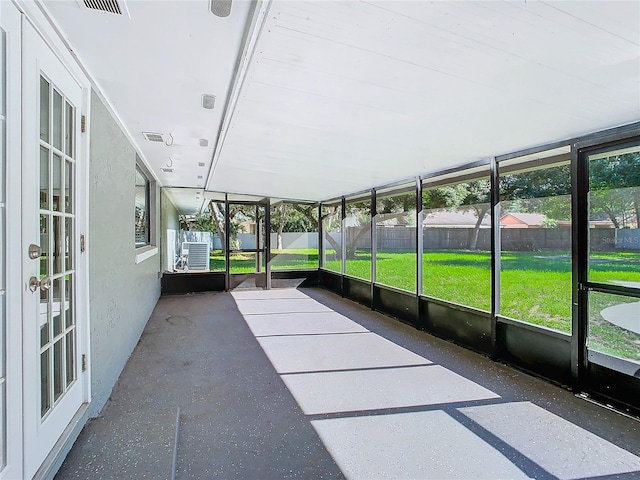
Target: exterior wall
x=122, y=293
x=170, y=228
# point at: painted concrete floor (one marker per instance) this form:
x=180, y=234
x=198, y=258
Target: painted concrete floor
x=304, y=384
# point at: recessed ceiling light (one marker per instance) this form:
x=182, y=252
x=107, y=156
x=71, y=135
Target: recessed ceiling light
x=204, y=142
x=208, y=101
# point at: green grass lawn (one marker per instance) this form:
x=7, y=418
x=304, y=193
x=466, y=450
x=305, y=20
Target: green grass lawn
x=280, y=260
x=535, y=287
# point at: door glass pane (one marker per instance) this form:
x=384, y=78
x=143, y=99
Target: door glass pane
x=44, y=245
x=44, y=110
x=68, y=168
x=58, y=294
x=614, y=325
x=56, y=182
x=44, y=318
x=331, y=237
x=243, y=262
x=70, y=356
x=294, y=236
x=57, y=121
x=58, y=258
x=614, y=217
x=45, y=399
x=44, y=178
x=67, y=242
x=58, y=368
x=217, y=262
x=57, y=322
x=68, y=131
x=244, y=227
x=68, y=303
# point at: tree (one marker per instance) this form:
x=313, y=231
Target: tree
x=285, y=216
x=466, y=196
x=614, y=187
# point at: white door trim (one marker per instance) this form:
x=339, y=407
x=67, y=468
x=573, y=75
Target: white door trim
x=10, y=19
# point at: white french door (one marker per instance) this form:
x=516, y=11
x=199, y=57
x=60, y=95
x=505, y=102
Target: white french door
x=53, y=322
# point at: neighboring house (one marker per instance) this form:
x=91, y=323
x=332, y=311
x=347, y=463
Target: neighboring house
x=454, y=220
x=523, y=220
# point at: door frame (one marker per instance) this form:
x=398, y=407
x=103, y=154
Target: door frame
x=261, y=253
x=590, y=378
x=34, y=17
x=11, y=21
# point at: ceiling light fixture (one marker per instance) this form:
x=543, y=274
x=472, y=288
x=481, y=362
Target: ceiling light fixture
x=208, y=101
x=220, y=8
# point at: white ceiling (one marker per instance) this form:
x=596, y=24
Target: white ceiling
x=337, y=97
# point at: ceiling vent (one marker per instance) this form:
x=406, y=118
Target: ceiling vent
x=153, y=137
x=167, y=170
x=117, y=7
x=220, y=8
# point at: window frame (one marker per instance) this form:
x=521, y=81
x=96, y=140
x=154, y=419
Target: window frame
x=149, y=248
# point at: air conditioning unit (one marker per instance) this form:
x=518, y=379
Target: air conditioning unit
x=196, y=254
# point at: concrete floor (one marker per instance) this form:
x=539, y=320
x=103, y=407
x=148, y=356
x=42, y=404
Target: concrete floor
x=304, y=384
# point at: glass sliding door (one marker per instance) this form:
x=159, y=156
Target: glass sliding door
x=245, y=244
x=612, y=225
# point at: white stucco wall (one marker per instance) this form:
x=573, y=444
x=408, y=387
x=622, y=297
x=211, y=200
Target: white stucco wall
x=170, y=227
x=122, y=293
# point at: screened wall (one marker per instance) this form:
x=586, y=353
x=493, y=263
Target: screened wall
x=533, y=257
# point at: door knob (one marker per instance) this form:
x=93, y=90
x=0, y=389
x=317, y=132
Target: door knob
x=34, y=251
x=35, y=283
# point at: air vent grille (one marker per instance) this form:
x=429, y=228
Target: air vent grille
x=109, y=6
x=167, y=170
x=153, y=137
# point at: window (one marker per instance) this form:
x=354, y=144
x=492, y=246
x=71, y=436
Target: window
x=357, y=226
x=535, y=239
x=142, y=230
x=457, y=239
x=332, y=236
x=395, y=221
